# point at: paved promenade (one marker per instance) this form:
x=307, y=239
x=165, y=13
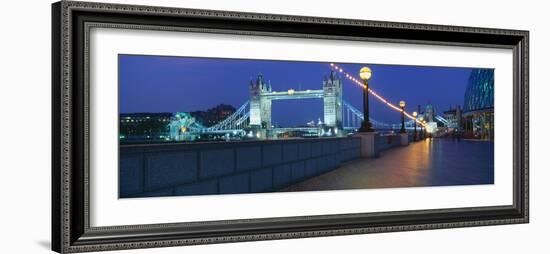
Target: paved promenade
x=432, y=162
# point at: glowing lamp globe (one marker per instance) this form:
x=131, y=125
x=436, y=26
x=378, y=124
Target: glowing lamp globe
x=402, y=104
x=365, y=73
x=415, y=114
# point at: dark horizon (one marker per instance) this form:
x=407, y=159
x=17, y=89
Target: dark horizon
x=160, y=84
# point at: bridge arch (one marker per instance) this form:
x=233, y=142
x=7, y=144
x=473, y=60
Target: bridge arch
x=262, y=95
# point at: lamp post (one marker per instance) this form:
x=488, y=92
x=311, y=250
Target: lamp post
x=402, y=105
x=422, y=126
x=415, y=114
x=424, y=123
x=365, y=73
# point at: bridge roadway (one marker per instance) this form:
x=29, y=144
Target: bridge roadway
x=432, y=162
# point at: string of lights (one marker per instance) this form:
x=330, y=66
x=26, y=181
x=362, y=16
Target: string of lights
x=376, y=95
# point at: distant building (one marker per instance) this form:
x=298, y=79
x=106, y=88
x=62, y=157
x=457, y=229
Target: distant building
x=478, y=113
x=453, y=117
x=213, y=115
x=143, y=126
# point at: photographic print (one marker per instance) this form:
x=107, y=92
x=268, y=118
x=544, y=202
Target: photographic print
x=208, y=126
x=175, y=126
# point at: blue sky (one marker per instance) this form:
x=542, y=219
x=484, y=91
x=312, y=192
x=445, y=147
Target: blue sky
x=182, y=84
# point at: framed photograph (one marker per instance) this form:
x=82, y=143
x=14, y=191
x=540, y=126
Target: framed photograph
x=182, y=126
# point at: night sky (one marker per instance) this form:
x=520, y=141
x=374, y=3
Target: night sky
x=184, y=84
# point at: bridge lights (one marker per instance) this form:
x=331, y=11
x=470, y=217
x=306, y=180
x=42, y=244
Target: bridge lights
x=402, y=105
x=366, y=126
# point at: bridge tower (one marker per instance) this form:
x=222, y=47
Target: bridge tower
x=332, y=100
x=429, y=114
x=260, y=106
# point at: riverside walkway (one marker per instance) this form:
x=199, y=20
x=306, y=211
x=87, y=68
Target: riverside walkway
x=431, y=162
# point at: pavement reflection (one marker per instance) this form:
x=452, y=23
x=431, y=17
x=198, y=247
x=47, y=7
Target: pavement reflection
x=431, y=162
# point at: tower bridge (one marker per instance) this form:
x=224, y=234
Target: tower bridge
x=253, y=118
x=262, y=95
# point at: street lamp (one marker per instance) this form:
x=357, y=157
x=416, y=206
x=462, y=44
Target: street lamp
x=365, y=73
x=422, y=126
x=415, y=114
x=424, y=123
x=402, y=105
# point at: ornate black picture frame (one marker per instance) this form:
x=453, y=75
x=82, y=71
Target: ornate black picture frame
x=71, y=231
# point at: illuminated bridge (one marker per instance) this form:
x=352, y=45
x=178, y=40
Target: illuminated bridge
x=253, y=118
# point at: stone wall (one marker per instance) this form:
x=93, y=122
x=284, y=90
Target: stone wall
x=388, y=141
x=385, y=142
x=223, y=168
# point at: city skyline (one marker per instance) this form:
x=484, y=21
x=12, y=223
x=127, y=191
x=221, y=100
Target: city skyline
x=177, y=84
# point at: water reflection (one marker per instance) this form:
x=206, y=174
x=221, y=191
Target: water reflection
x=431, y=162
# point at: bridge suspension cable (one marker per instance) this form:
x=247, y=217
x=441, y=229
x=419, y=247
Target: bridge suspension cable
x=237, y=120
x=359, y=116
x=441, y=119
x=376, y=95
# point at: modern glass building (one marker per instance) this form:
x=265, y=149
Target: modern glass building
x=478, y=114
